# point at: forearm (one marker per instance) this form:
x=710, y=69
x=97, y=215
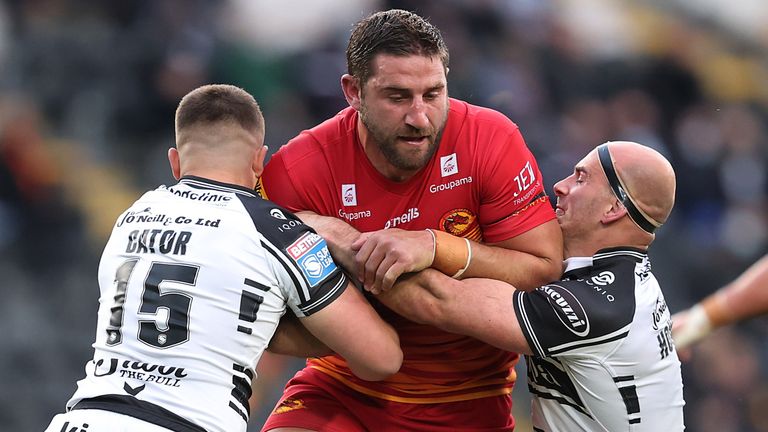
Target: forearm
x=415, y=298
x=338, y=234
x=522, y=269
x=745, y=297
x=525, y=261
x=479, y=308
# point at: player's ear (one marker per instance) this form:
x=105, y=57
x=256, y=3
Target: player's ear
x=352, y=89
x=258, y=160
x=173, y=158
x=615, y=212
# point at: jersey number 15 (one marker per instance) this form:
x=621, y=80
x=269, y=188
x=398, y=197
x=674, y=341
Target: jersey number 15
x=167, y=322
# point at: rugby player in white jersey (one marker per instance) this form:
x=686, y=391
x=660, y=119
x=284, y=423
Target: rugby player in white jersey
x=195, y=278
x=598, y=342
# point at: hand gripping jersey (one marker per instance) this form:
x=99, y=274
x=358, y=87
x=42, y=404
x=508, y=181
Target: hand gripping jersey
x=194, y=280
x=483, y=183
x=604, y=357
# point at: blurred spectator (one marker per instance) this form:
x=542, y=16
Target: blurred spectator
x=37, y=222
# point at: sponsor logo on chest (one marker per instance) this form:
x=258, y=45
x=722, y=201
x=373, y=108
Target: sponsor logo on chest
x=449, y=165
x=348, y=195
x=461, y=222
x=277, y=214
x=603, y=279
x=350, y=216
x=659, y=312
x=409, y=215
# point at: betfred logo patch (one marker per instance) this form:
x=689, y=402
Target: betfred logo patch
x=311, y=253
x=297, y=249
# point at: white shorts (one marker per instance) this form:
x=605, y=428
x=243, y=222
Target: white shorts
x=93, y=420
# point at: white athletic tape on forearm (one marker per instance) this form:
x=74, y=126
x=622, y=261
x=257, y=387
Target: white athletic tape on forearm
x=434, y=245
x=469, y=259
x=697, y=325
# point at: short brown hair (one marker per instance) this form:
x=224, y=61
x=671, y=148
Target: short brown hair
x=215, y=103
x=395, y=32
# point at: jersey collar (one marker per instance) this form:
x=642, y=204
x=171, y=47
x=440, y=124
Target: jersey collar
x=204, y=183
x=574, y=266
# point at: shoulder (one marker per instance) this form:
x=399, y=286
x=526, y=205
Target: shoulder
x=589, y=307
x=482, y=129
x=276, y=224
x=479, y=116
x=329, y=137
x=607, y=290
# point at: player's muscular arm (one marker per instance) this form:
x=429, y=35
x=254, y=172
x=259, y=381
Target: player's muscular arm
x=353, y=329
x=338, y=234
x=743, y=298
x=293, y=339
x=480, y=308
x=382, y=256
x=527, y=261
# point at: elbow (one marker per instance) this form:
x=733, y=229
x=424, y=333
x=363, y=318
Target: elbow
x=379, y=361
x=550, y=269
x=553, y=271
x=382, y=367
x=388, y=366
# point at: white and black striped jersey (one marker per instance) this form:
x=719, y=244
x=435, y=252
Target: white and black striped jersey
x=603, y=358
x=194, y=280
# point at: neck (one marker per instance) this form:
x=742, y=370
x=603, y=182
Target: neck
x=586, y=247
x=223, y=176
x=373, y=151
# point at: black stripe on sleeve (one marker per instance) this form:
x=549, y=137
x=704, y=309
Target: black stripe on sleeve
x=290, y=269
x=519, y=302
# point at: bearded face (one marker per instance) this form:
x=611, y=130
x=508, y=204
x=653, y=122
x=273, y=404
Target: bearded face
x=404, y=107
x=405, y=147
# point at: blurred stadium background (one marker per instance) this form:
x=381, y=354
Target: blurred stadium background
x=88, y=90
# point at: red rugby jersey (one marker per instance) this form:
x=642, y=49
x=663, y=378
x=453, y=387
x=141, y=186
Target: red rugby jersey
x=482, y=183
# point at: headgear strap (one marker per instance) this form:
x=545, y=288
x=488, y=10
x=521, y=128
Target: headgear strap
x=639, y=217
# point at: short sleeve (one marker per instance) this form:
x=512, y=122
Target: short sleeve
x=552, y=318
x=570, y=317
x=301, y=261
x=318, y=281
x=513, y=199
